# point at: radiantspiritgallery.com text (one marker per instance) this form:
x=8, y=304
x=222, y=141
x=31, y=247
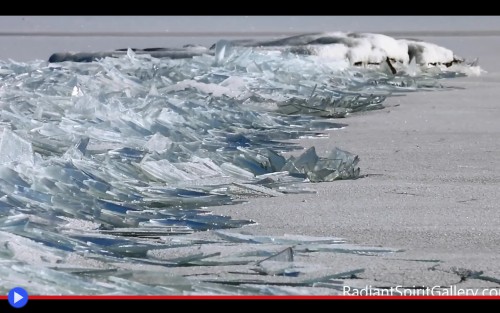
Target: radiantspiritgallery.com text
x=419, y=291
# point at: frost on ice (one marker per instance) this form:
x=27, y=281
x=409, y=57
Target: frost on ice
x=114, y=163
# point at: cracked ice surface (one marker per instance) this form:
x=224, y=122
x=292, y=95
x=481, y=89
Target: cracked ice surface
x=102, y=163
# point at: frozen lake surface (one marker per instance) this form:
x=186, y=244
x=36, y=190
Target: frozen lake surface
x=111, y=169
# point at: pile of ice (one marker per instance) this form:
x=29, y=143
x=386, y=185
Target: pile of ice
x=370, y=50
x=367, y=50
x=100, y=162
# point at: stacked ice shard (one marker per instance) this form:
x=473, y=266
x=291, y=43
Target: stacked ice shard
x=102, y=163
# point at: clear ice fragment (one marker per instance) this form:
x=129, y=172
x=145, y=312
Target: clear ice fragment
x=14, y=149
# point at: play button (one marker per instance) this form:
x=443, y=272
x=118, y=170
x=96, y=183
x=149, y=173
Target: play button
x=18, y=297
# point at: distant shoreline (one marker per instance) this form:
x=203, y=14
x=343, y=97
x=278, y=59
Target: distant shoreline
x=459, y=33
